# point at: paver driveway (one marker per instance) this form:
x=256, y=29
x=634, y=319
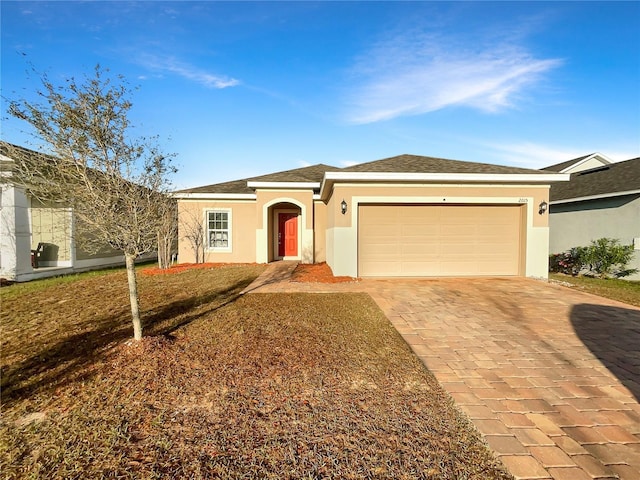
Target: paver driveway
x=549, y=375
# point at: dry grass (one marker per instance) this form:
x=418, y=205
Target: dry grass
x=627, y=291
x=260, y=386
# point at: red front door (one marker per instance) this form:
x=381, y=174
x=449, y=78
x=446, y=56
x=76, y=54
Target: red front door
x=287, y=234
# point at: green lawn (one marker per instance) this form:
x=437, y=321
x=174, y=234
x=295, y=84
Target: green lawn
x=224, y=386
x=626, y=291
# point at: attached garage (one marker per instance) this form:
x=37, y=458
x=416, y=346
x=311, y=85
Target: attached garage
x=440, y=240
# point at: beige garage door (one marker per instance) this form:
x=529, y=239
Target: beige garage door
x=438, y=240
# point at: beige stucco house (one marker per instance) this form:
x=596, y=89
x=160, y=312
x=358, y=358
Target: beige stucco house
x=602, y=199
x=405, y=216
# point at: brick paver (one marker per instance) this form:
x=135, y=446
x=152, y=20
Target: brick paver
x=549, y=375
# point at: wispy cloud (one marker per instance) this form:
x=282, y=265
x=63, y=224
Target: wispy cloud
x=534, y=155
x=190, y=72
x=413, y=74
x=348, y=163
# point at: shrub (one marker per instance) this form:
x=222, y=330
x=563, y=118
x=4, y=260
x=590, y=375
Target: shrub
x=569, y=262
x=606, y=257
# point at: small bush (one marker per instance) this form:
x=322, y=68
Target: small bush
x=606, y=257
x=569, y=262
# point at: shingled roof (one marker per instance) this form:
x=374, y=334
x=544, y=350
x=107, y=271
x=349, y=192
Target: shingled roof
x=419, y=164
x=312, y=174
x=235, y=186
x=558, y=167
x=609, y=179
x=398, y=164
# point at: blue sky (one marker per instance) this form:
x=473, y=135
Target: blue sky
x=241, y=89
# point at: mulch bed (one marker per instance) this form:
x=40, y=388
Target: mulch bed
x=304, y=273
x=317, y=273
x=182, y=267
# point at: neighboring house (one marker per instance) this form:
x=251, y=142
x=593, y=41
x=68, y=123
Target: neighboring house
x=602, y=199
x=37, y=240
x=401, y=216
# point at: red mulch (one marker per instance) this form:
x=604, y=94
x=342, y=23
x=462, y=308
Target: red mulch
x=181, y=267
x=308, y=273
x=317, y=273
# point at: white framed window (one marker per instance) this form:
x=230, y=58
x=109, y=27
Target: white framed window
x=219, y=230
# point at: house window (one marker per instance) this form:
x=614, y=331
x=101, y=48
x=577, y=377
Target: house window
x=219, y=230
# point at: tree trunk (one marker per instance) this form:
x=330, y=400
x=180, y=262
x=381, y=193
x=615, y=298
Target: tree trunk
x=133, y=296
x=162, y=264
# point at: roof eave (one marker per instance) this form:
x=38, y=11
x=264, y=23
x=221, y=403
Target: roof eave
x=331, y=178
x=607, y=161
x=285, y=185
x=214, y=196
x=594, y=197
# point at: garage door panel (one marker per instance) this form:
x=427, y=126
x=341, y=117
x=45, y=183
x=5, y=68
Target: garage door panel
x=415, y=215
x=430, y=240
x=438, y=240
x=457, y=230
x=420, y=269
x=419, y=230
x=373, y=268
x=495, y=230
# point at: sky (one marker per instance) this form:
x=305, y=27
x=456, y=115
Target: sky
x=239, y=89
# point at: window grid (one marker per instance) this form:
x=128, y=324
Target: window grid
x=218, y=229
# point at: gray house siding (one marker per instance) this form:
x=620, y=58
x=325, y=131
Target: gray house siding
x=575, y=224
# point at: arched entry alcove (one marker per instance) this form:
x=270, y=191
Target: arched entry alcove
x=284, y=234
x=285, y=226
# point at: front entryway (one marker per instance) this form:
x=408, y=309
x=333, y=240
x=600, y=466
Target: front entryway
x=287, y=235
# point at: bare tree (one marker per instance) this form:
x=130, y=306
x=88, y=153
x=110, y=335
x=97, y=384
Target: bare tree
x=112, y=181
x=192, y=230
x=167, y=231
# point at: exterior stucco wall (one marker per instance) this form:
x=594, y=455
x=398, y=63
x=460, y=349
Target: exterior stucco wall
x=342, y=230
x=319, y=231
x=578, y=223
x=106, y=253
x=191, y=216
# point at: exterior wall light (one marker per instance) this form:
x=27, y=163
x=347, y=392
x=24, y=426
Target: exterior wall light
x=542, y=207
x=343, y=206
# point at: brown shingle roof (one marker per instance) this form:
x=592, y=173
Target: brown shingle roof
x=558, y=167
x=312, y=174
x=418, y=164
x=235, y=186
x=398, y=164
x=612, y=178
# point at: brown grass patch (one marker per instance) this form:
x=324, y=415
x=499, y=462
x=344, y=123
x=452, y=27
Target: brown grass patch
x=256, y=386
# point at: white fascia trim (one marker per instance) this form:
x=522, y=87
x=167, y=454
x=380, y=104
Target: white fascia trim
x=317, y=196
x=586, y=159
x=333, y=177
x=281, y=185
x=595, y=197
x=215, y=196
